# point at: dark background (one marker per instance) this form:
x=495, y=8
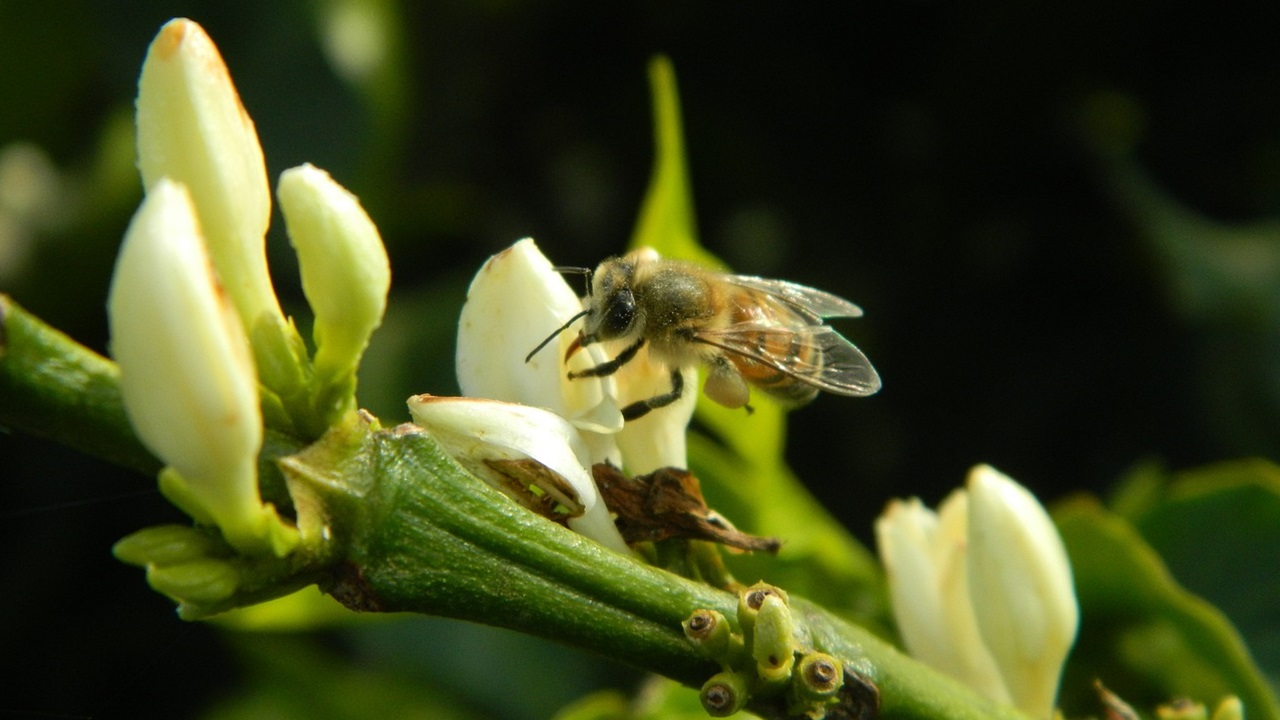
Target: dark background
x=1056, y=220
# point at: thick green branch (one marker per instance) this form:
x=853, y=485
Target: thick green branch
x=52, y=386
x=426, y=537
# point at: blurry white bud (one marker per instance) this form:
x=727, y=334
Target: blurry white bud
x=193, y=129
x=1021, y=588
x=982, y=590
x=925, y=559
x=474, y=431
x=345, y=273
x=186, y=374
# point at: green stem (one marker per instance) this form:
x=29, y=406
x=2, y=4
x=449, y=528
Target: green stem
x=426, y=537
x=52, y=386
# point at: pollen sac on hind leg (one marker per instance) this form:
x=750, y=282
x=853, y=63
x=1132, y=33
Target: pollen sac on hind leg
x=726, y=386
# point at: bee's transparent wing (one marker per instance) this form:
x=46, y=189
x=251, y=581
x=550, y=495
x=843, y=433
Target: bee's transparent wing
x=810, y=303
x=816, y=354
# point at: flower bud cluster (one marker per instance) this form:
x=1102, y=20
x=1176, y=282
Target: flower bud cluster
x=202, y=345
x=762, y=659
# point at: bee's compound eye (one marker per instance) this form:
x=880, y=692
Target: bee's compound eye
x=619, y=314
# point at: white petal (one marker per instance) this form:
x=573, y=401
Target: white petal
x=193, y=129
x=658, y=439
x=345, y=273
x=905, y=538
x=186, y=374
x=970, y=660
x=515, y=301
x=925, y=558
x=1020, y=581
x=473, y=430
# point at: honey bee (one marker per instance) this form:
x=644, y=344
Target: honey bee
x=747, y=331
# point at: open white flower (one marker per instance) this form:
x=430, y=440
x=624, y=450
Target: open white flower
x=476, y=431
x=186, y=373
x=982, y=589
x=517, y=300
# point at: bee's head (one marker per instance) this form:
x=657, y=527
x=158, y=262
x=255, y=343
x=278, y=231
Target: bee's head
x=612, y=305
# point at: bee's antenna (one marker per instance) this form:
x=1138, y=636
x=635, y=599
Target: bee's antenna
x=571, y=270
x=552, y=336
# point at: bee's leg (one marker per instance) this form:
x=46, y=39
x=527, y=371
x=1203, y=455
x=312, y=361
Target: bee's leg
x=640, y=408
x=610, y=367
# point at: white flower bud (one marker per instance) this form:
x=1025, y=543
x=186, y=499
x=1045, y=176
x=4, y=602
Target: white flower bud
x=193, y=129
x=345, y=273
x=186, y=374
x=982, y=590
x=925, y=559
x=1021, y=588
x=474, y=430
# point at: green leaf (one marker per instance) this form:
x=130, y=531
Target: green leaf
x=666, y=221
x=1218, y=529
x=600, y=705
x=1142, y=634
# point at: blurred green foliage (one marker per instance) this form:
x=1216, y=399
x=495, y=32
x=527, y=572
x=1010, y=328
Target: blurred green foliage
x=1060, y=225
x=1146, y=636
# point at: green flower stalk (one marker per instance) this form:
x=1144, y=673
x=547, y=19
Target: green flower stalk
x=713, y=637
x=819, y=676
x=724, y=694
x=186, y=373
